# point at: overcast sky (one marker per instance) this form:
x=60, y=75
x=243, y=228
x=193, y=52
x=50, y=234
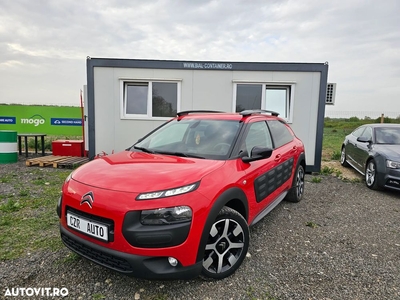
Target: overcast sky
x=44, y=44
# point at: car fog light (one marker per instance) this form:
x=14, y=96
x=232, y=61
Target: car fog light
x=173, y=261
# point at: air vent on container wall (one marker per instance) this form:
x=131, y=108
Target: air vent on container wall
x=330, y=93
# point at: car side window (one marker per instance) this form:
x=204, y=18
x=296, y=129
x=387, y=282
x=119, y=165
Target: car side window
x=257, y=135
x=368, y=133
x=280, y=133
x=358, y=132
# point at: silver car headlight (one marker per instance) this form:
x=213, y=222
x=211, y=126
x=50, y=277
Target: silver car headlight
x=392, y=164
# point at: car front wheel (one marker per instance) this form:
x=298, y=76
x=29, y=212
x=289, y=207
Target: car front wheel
x=227, y=245
x=371, y=175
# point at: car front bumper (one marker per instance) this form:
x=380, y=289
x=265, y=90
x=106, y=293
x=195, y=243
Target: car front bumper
x=139, y=266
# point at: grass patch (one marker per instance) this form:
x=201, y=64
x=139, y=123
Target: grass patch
x=23, y=193
x=316, y=179
x=327, y=170
x=10, y=206
x=332, y=142
x=312, y=224
x=28, y=220
x=7, y=178
x=336, y=155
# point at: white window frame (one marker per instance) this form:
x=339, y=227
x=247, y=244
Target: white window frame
x=123, y=102
x=290, y=85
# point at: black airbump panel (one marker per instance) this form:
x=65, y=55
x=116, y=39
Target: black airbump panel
x=265, y=184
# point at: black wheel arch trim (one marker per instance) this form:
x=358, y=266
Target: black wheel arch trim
x=234, y=193
x=302, y=158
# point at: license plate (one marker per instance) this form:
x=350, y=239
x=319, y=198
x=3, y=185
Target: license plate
x=88, y=227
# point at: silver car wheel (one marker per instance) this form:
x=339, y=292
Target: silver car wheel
x=225, y=246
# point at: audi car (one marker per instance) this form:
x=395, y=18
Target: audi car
x=374, y=151
x=180, y=201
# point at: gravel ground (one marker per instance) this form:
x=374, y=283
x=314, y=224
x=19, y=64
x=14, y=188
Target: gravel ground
x=341, y=242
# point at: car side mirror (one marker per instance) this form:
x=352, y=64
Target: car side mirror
x=257, y=153
x=363, y=139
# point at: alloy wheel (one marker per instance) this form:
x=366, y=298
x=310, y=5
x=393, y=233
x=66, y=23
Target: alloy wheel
x=225, y=246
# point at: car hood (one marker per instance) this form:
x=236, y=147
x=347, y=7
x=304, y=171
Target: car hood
x=391, y=152
x=140, y=172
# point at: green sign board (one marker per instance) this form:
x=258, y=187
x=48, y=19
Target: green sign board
x=50, y=120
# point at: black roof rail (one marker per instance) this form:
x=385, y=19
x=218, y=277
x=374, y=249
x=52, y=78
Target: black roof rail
x=187, y=112
x=254, y=111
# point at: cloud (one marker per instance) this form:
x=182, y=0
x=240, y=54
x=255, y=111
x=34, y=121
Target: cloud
x=51, y=39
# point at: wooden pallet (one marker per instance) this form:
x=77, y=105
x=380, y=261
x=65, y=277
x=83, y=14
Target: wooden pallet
x=57, y=161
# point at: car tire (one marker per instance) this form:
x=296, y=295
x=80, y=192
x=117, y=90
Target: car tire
x=343, y=158
x=227, y=245
x=296, y=192
x=371, y=175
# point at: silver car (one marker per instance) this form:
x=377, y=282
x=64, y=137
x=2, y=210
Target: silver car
x=374, y=151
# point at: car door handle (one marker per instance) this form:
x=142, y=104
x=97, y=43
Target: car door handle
x=294, y=149
x=278, y=157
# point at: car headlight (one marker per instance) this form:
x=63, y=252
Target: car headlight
x=165, y=216
x=68, y=177
x=168, y=193
x=392, y=164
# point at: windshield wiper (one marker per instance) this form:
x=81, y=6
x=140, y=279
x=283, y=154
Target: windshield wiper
x=143, y=149
x=176, y=153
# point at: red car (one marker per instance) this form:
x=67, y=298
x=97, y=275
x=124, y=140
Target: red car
x=179, y=202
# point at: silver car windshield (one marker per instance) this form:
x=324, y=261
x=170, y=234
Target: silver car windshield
x=204, y=138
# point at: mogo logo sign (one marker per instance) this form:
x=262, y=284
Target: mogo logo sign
x=34, y=120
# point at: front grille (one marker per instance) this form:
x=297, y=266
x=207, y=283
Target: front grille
x=100, y=257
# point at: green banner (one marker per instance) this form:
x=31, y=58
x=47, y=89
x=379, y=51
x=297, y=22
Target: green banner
x=50, y=120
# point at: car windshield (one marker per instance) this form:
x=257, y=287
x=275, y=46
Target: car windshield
x=199, y=138
x=387, y=135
